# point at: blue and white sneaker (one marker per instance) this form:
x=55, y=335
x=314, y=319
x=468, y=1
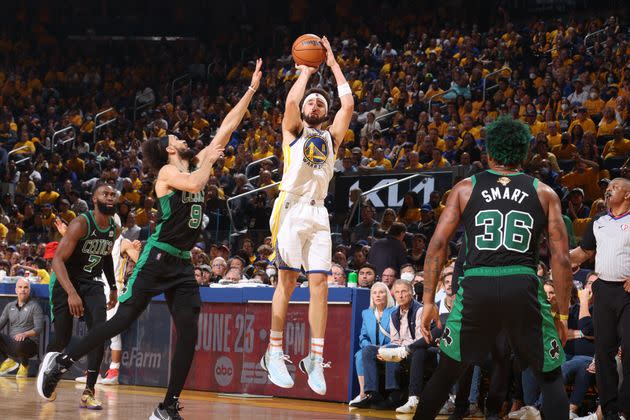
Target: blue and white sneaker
x=274, y=365
x=314, y=368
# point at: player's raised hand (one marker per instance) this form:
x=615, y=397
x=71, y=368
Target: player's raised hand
x=215, y=150
x=306, y=69
x=61, y=226
x=255, y=83
x=330, y=56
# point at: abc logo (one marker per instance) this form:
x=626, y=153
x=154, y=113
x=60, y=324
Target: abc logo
x=223, y=371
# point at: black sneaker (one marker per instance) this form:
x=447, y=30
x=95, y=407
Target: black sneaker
x=163, y=412
x=369, y=401
x=49, y=375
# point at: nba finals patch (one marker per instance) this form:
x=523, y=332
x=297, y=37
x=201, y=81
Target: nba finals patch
x=504, y=180
x=315, y=151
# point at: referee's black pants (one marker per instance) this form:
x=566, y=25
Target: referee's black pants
x=611, y=319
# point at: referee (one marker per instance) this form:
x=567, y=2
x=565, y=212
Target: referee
x=608, y=236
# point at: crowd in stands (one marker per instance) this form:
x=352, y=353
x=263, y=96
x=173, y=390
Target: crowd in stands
x=421, y=104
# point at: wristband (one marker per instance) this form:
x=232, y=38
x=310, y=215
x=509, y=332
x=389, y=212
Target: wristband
x=344, y=89
x=251, y=88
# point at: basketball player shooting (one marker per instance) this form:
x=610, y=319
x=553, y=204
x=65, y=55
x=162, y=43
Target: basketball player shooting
x=299, y=221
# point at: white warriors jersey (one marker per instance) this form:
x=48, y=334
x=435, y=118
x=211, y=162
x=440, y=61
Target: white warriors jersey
x=308, y=164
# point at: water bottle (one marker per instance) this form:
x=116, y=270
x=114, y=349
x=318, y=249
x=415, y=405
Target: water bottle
x=352, y=279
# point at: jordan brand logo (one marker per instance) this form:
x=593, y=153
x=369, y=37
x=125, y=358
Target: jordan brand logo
x=554, y=351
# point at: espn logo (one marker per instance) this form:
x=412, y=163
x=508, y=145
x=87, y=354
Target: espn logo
x=253, y=373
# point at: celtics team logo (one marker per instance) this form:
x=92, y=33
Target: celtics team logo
x=447, y=340
x=554, y=349
x=315, y=151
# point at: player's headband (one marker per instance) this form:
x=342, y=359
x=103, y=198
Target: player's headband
x=315, y=95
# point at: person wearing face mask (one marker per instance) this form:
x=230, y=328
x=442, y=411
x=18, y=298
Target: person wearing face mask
x=594, y=104
x=564, y=115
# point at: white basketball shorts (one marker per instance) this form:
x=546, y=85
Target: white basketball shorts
x=300, y=232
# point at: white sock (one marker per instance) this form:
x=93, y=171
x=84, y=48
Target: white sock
x=317, y=347
x=114, y=365
x=275, y=342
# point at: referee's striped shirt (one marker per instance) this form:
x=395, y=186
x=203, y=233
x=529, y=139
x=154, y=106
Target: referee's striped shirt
x=610, y=237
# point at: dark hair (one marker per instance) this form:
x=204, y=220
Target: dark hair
x=368, y=265
x=100, y=184
x=154, y=153
x=507, y=141
x=321, y=92
x=40, y=263
x=396, y=229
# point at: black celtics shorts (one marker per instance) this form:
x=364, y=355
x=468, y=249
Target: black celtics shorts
x=158, y=271
x=92, y=295
x=511, y=298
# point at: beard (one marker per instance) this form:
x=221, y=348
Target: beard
x=187, y=154
x=105, y=209
x=314, y=120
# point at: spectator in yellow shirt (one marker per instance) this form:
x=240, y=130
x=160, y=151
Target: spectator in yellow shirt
x=128, y=193
x=48, y=196
x=594, y=104
x=438, y=124
x=535, y=126
x=199, y=123
x=38, y=268
x=143, y=215
x=13, y=234
x=437, y=161
x=618, y=147
x=65, y=213
x=542, y=149
x=25, y=141
x=48, y=217
x=413, y=162
x=608, y=123
x=585, y=175
x=380, y=161
x=553, y=136
x=565, y=150
x=75, y=163
x=583, y=121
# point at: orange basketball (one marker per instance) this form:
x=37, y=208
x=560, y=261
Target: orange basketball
x=308, y=50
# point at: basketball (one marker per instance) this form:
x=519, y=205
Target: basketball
x=308, y=50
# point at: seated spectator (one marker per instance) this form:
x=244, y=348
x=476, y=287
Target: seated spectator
x=618, y=147
x=388, y=218
x=608, y=123
x=584, y=175
x=418, y=349
x=233, y=275
x=576, y=208
x=206, y=272
x=404, y=328
x=580, y=347
x=409, y=212
x=367, y=227
x=389, y=251
x=338, y=276
x=389, y=277
x=366, y=276
x=374, y=329
x=407, y=272
x=25, y=321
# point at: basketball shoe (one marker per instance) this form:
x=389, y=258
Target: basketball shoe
x=314, y=367
x=274, y=365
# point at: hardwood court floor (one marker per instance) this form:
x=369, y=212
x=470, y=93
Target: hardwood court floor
x=19, y=401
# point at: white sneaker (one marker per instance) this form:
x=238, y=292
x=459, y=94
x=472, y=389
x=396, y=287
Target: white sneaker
x=591, y=416
x=393, y=354
x=83, y=379
x=314, y=368
x=410, y=406
x=274, y=365
x=525, y=413
x=356, y=399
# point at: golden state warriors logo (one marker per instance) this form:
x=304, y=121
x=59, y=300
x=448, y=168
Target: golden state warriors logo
x=315, y=151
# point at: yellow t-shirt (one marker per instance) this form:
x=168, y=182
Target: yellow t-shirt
x=587, y=125
x=606, y=128
x=385, y=163
x=564, y=153
x=67, y=216
x=616, y=149
x=554, y=140
x=27, y=143
x=44, y=277
x=594, y=107
x=46, y=198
